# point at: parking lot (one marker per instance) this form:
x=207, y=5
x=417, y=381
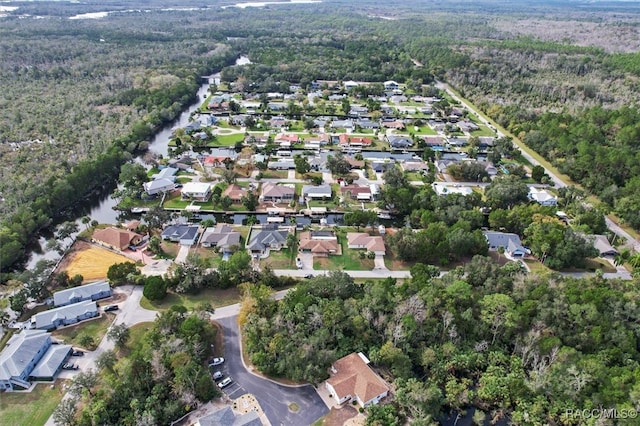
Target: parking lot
x=274, y=398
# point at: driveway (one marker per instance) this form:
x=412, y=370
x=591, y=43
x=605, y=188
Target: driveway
x=273, y=397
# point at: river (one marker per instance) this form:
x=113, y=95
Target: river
x=100, y=208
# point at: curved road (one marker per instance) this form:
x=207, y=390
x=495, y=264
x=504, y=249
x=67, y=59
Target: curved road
x=274, y=398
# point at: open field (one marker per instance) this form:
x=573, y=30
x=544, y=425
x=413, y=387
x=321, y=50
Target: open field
x=90, y=261
x=216, y=298
x=30, y=408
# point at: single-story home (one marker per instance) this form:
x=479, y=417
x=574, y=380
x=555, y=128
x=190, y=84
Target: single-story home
x=226, y=417
x=64, y=315
x=414, y=166
x=357, y=192
x=27, y=355
x=444, y=189
x=94, y=291
x=395, y=124
x=362, y=240
x=282, y=164
x=269, y=237
x=601, y=243
x=184, y=234
x=317, y=192
x=542, y=196
x=198, y=191
x=235, y=193
x=275, y=193
x=380, y=166
x=348, y=85
x=221, y=236
x=510, y=242
x=400, y=142
x=116, y=238
x=353, y=380
x=341, y=124
x=166, y=173
x=319, y=243
x=286, y=139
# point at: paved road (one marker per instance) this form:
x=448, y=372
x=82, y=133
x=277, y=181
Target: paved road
x=375, y=273
x=273, y=398
x=559, y=183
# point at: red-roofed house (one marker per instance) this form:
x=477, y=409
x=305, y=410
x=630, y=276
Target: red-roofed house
x=115, y=238
x=235, y=192
x=361, y=240
x=356, y=192
x=353, y=380
x=286, y=139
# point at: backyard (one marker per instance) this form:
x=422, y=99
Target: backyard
x=90, y=261
x=94, y=328
x=349, y=260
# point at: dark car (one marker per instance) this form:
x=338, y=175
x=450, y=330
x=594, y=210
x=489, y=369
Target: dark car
x=77, y=352
x=110, y=308
x=309, y=276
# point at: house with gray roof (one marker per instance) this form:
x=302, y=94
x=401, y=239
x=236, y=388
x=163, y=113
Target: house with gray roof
x=222, y=236
x=269, y=237
x=510, y=242
x=226, y=417
x=317, y=192
x=400, y=142
x=94, y=291
x=602, y=244
x=27, y=356
x=184, y=234
x=64, y=315
x=157, y=186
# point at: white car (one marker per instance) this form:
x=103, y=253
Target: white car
x=217, y=375
x=226, y=382
x=216, y=361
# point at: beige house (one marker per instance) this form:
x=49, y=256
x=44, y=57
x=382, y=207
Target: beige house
x=319, y=243
x=116, y=238
x=353, y=380
x=362, y=240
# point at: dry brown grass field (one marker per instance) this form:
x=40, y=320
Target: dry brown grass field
x=90, y=261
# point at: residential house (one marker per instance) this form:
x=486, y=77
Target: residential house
x=358, y=111
x=226, y=417
x=319, y=243
x=391, y=85
x=235, y=192
x=238, y=120
x=400, y=142
x=166, y=173
x=357, y=192
x=398, y=99
x=368, y=124
x=317, y=192
x=222, y=236
x=132, y=225
x=30, y=355
x=486, y=142
x=348, y=85
x=468, y=126
x=269, y=237
x=282, y=164
x=285, y=140
x=64, y=315
x=186, y=235
x=353, y=380
x=197, y=191
x=395, y=124
x=342, y=124
x=355, y=164
x=443, y=165
x=116, y=238
x=274, y=193
x=601, y=243
x=434, y=142
x=277, y=106
x=542, y=196
x=158, y=186
x=94, y=291
x=380, y=166
x=414, y=166
x=361, y=240
x=510, y=242
x=457, y=142
x=278, y=122
x=445, y=189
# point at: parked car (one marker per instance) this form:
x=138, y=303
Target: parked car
x=70, y=366
x=309, y=276
x=226, y=382
x=216, y=361
x=110, y=308
x=77, y=352
x=217, y=375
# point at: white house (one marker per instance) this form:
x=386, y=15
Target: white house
x=198, y=191
x=542, y=197
x=317, y=192
x=443, y=189
x=353, y=380
x=158, y=186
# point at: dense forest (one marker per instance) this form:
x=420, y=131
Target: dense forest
x=522, y=348
x=80, y=96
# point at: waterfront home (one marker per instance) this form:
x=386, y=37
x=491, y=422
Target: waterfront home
x=197, y=191
x=116, y=238
x=186, y=235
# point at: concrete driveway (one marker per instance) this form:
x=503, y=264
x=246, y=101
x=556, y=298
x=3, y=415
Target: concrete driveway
x=274, y=398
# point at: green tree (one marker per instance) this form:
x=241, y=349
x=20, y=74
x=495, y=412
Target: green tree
x=122, y=273
x=302, y=164
x=132, y=176
x=498, y=312
x=154, y=288
x=65, y=412
x=119, y=334
x=506, y=192
x=250, y=201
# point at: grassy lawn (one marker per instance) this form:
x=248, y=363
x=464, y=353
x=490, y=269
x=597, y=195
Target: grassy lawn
x=348, y=261
x=228, y=140
x=394, y=264
x=96, y=328
x=279, y=260
x=424, y=130
x=536, y=267
x=32, y=408
x=275, y=174
x=174, y=201
x=483, y=131
x=216, y=298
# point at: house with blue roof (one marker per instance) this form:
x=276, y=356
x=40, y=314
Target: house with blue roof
x=94, y=291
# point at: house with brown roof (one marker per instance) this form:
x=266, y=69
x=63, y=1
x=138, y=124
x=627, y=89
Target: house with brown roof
x=235, y=193
x=116, y=238
x=274, y=193
x=362, y=240
x=319, y=243
x=353, y=380
x=357, y=192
